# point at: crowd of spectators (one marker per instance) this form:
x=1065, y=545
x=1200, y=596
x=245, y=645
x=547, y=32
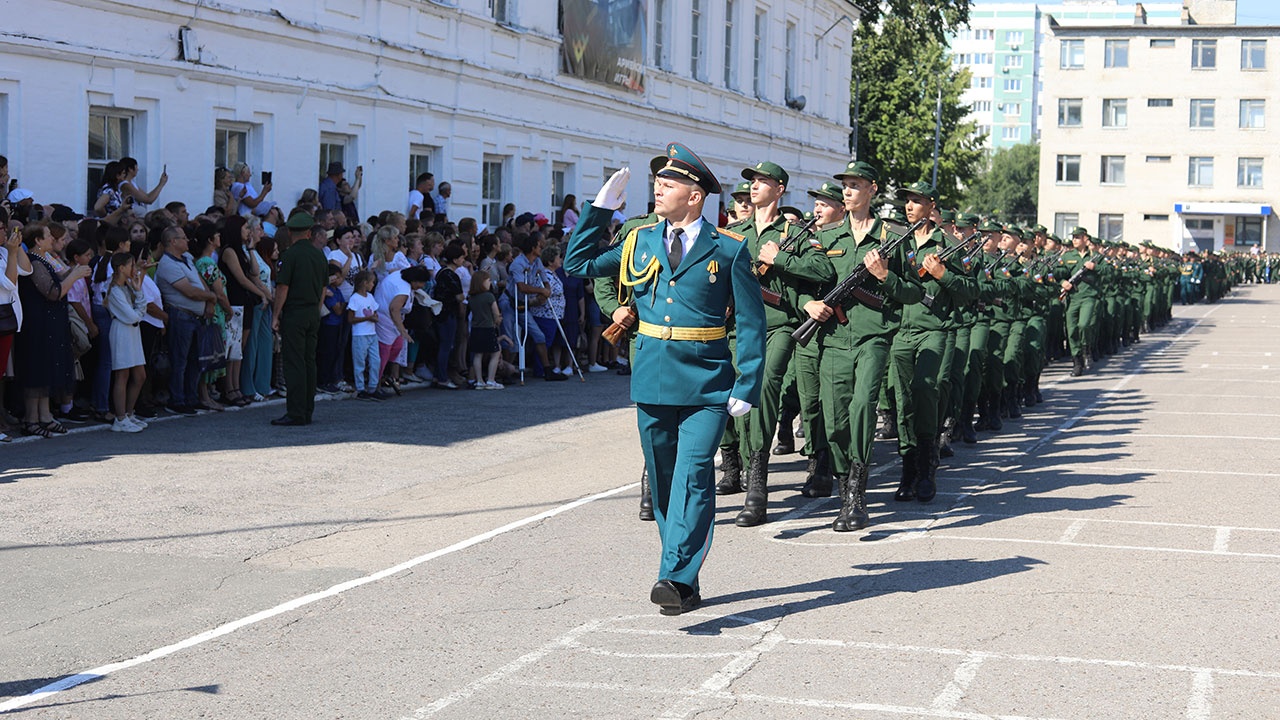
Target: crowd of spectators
x=132, y=309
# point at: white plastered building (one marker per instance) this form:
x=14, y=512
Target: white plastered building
x=471, y=90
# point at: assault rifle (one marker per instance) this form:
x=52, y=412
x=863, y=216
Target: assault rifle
x=852, y=286
x=1079, y=273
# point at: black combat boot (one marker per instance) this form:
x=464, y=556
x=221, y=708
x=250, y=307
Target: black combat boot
x=967, y=433
x=646, y=497
x=907, y=485
x=1014, y=393
x=944, y=438
x=984, y=419
x=757, y=500
x=853, y=500
x=1028, y=395
x=888, y=427
x=927, y=475
x=1077, y=365
x=1035, y=389
x=993, y=419
x=818, y=482
x=731, y=465
x=786, y=439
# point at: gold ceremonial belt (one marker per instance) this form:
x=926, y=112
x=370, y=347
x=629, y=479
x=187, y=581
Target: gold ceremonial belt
x=662, y=332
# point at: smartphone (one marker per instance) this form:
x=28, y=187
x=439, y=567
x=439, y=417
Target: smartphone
x=266, y=177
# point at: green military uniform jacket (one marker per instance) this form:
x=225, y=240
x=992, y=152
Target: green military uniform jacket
x=797, y=275
x=842, y=247
x=954, y=288
x=305, y=270
x=1087, y=284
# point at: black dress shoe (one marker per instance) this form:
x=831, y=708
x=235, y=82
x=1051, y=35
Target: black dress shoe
x=287, y=421
x=673, y=598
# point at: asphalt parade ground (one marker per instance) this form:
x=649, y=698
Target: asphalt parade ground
x=1114, y=554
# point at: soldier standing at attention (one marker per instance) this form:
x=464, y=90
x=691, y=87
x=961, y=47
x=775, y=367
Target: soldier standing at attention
x=682, y=274
x=918, y=347
x=304, y=272
x=742, y=209
x=788, y=279
x=855, y=352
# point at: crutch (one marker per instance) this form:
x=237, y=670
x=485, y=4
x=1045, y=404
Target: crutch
x=573, y=355
x=521, y=335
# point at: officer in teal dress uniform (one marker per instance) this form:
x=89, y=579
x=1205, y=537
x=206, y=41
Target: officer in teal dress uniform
x=682, y=276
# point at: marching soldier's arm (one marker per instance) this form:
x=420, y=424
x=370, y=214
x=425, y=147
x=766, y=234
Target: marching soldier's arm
x=896, y=288
x=749, y=323
x=583, y=257
x=807, y=263
x=963, y=289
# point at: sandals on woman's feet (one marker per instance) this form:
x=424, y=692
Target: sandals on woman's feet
x=36, y=429
x=55, y=427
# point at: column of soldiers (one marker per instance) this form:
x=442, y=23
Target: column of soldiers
x=935, y=324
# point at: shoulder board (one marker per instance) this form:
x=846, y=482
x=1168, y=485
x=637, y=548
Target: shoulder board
x=731, y=234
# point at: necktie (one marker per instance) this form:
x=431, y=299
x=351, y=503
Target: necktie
x=677, y=249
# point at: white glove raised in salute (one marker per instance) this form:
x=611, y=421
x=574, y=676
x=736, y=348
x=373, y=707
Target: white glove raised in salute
x=614, y=192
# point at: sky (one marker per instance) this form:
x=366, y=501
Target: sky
x=1248, y=12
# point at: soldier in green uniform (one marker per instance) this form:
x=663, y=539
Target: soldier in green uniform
x=788, y=278
x=300, y=284
x=683, y=273
x=951, y=386
x=1001, y=299
x=855, y=337
x=916, y=354
x=1016, y=301
x=1081, y=295
x=742, y=209
x=979, y=335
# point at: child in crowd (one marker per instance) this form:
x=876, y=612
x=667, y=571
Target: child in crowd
x=329, y=344
x=362, y=314
x=127, y=305
x=485, y=318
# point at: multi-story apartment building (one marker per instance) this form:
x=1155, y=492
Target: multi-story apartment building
x=519, y=102
x=1164, y=133
x=1004, y=49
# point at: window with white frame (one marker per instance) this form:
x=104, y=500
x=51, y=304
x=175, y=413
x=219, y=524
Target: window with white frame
x=335, y=148
x=1116, y=54
x=1071, y=55
x=1013, y=109
x=1200, y=172
x=561, y=185
x=1253, y=114
x=1159, y=102
x=793, y=70
x=660, y=57
x=230, y=145
x=491, y=189
x=697, y=35
x=984, y=58
x=1115, y=113
x=1013, y=85
x=730, y=10
x=1253, y=54
x=984, y=34
x=980, y=82
x=1112, y=170
x=500, y=10
x=1013, y=61
x=1110, y=227
x=1202, y=113
x=1070, y=112
x=1249, y=172
x=1068, y=170
x=1011, y=133
x=1204, y=54
x=758, y=52
x=982, y=106
x=1013, y=37
x=110, y=138
x=422, y=158
x=1064, y=222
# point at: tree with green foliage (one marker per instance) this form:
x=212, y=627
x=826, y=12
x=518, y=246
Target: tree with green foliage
x=900, y=64
x=1009, y=187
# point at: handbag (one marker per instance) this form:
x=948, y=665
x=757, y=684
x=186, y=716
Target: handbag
x=211, y=347
x=8, y=320
x=80, y=342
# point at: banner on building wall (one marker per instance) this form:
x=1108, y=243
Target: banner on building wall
x=604, y=41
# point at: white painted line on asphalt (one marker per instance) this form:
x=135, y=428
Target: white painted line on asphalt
x=1222, y=540
x=1101, y=546
x=1198, y=414
x=1200, y=706
x=725, y=677
x=1072, y=531
x=1206, y=366
x=80, y=678
x=953, y=693
x=1213, y=396
x=1126, y=470
x=1250, y=438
